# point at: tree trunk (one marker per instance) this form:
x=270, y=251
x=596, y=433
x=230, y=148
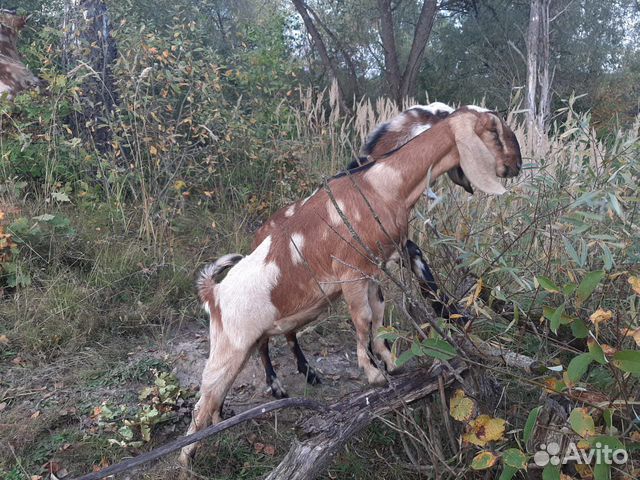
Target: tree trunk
x=88, y=45
x=320, y=46
x=390, y=51
x=545, y=77
x=403, y=84
x=533, y=35
x=420, y=38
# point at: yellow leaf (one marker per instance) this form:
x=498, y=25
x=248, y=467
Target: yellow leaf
x=180, y=185
x=472, y=299
x=484, y=429
x=461, y=407
x=584, y=471
x=153, y=150
x=600, y=316
x=635, y=284
x=484, y=460
x=632, y=333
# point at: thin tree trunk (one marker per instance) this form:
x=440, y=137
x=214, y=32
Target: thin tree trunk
x=390, y=51
x=533, y=35
x=320, y=46
x=345, y=54
x=420, y=38
x=403, y=84
x=88, y=45
x=544, y=75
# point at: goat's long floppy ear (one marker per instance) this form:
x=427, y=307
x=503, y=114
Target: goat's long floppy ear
x=476, y=161
x=457, y=176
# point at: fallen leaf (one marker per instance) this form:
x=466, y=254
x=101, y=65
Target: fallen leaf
x=52, y=466
x=608, y=350
x=461, y=407
x=582, y=422
x=635, y=284
x=632, y=333
x=258, y=447
x=35, y=414
x=484, y=460
x=484, y=429
x=600, y=316
x=270, y=450
x=584, y=471
x=4, y=340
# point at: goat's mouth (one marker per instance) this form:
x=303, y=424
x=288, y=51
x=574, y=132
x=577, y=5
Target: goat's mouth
x=509, y=170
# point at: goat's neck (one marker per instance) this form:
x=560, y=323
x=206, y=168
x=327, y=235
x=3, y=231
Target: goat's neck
x=404, y=175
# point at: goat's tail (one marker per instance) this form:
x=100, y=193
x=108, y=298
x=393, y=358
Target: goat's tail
x=207, y=279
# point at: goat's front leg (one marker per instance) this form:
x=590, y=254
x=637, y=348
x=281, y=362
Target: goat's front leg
x=428, y=286
x=303, y=365
x=376, y=302
x=273, y=382
x=356, y=294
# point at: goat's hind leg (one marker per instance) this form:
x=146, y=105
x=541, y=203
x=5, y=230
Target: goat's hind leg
x=303, y=365
x=273, y=382
x=224, y=363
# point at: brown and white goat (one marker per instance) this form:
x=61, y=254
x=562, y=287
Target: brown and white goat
x=313, y=258
x=14, y=75
x=385, y=138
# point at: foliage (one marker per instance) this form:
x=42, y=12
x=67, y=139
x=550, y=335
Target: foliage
x=162, y=403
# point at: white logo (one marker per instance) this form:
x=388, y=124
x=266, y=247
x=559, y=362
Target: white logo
x=602, y=454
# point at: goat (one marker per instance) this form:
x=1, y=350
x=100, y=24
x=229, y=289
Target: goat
x=14, y=75
x=315, y=257
x=385, y=138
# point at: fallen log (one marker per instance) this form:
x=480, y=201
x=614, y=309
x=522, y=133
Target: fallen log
x=328, y=431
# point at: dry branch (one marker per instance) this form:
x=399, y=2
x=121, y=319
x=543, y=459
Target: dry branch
x=328, y=432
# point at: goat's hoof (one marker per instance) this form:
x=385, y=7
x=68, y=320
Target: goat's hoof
x=376, y=378
x=392, y=369
x=277, y=389
x=185, y=460
x=312, y=377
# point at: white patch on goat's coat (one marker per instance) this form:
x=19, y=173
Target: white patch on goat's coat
x=385, y=179
x=334, y=216
x=297, y=241
x=290, y=211
x=418, y=129
x=478, y=109
x=246, y=309
x=397, y=123
x=440, y=107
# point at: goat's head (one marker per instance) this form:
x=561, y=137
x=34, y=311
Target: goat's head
x=487, y=148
